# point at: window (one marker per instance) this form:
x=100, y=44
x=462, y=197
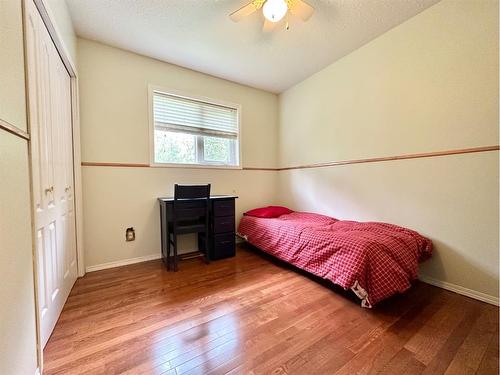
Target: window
x=195, y=131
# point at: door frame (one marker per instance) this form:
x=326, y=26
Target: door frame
x=49, y=21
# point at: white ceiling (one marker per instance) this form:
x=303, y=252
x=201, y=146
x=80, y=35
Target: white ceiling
x=198, y=34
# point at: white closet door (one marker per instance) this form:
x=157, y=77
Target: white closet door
x=52, y=169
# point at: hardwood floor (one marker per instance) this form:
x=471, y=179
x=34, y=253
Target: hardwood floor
x=247, y=315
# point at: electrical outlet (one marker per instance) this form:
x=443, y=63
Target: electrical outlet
x=130, y=234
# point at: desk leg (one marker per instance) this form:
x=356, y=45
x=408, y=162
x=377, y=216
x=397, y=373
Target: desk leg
x=164, y=236
x=162, y=239
x=167, y=235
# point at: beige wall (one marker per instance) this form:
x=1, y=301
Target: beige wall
x=17, y=311
x=430, y=84
x=12, y=100
x=115, y=128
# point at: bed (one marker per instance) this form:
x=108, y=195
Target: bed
x=374, y=260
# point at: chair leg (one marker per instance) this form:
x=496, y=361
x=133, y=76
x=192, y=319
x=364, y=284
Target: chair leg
x=168, y=252
x=207, y=249
x=175, y=254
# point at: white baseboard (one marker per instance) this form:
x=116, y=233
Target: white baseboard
x=493, y=300
x=123, y=262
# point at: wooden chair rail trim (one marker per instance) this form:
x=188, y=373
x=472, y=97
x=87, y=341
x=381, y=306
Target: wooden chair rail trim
x=396, y=157
x=260, y=169
x=14, y=130
x=326, y=164
x=141, y=165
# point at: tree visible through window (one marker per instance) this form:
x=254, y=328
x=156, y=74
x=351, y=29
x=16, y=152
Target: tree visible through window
x=190, y=131
x=217, y=149
x=173, y=147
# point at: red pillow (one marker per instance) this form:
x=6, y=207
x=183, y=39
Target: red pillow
x=268, y=212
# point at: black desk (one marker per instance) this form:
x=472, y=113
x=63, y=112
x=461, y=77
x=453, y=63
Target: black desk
x=221, y=238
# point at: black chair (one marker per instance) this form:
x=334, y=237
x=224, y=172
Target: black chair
x=190, y=215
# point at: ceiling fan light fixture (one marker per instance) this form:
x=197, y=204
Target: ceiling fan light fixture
x=275, y=10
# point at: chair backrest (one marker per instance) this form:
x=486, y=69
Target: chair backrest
x=191, y=191
x=191, y=202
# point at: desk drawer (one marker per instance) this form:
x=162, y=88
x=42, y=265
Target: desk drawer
x=224, y=246
x=224, y=207
x=224, y=224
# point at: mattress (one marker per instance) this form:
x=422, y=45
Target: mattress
x=375, y=260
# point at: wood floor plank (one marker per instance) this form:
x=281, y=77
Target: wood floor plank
x=377, y=353
x=431, y=337
x=248, y=315
x=448, y=350
x=404, y=362
x=469, y=355
x=489, y=362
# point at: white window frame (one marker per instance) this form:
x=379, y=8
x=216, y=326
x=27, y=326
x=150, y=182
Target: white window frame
x=151, y=90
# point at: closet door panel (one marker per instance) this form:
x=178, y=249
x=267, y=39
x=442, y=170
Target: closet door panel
x=52, y=170
x=63, y=156
x=39, y=92
x=53, y=250
x=47, y=172
x=43, y=290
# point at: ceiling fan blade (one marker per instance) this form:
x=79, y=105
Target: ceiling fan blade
x=268, y=26
x=302, y=10
x=244, y=11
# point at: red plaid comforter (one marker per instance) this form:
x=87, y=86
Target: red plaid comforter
x=375, y=260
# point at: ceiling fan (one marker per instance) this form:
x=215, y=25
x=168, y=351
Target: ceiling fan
x=274, y=11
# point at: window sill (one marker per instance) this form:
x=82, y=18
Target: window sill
x=195, y=166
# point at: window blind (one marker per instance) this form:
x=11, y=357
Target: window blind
x=185, y=115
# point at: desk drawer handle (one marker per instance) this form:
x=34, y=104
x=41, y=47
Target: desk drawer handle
x=224, y=242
